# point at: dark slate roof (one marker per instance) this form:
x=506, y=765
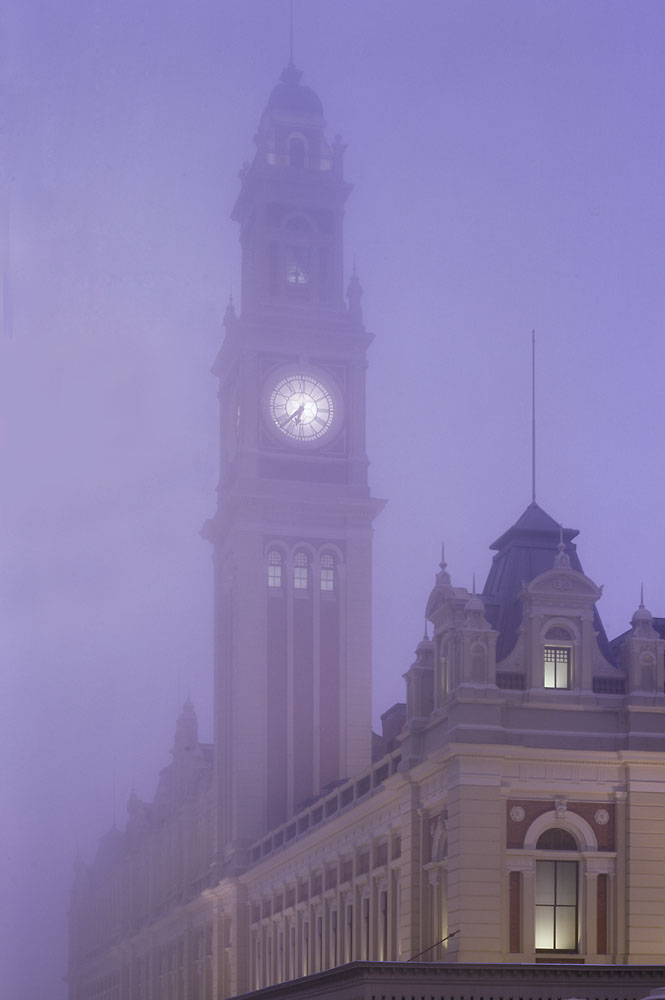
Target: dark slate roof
x=522, y=553
x=291, y=95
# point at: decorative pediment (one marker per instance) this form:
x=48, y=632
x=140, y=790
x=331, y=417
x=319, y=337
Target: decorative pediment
x=562, y=583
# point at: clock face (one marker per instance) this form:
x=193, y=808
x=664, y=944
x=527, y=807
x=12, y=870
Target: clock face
x=302, y=407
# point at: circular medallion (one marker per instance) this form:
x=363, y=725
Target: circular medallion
x=517, y=814
x=601, y=817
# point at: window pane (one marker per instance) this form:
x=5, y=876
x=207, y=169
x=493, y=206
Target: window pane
x=274, y=569
x=549, y=668
x=562, y=668
x=566, y=883
x=300, y=571
x=556, y=839
x=544, y=927
x=545, y=882
x=566, y=928
x=557, y=667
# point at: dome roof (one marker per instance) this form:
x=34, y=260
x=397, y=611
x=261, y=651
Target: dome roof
x=291, y=95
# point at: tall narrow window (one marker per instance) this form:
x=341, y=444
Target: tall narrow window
x=383, y=928
x=300, y=571
x=305, y=948
x=333, y=938
x=556, y=906
x=274, y=569
x=327, y=573
x=348, y=956
x=557, y=667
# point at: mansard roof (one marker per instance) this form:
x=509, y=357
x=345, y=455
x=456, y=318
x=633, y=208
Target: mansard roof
x=523, y=552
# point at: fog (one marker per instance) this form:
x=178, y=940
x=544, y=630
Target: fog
x=508, y=162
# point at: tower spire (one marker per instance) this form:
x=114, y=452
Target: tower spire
x=533, y=416
x=291, y=33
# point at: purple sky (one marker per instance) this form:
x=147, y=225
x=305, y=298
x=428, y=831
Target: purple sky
x=508, y=161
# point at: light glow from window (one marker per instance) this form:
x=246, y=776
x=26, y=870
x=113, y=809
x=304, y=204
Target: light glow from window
x=274, y=569
x=300, y=572
x=327, y=573
x=556, y=905
x=557, y=667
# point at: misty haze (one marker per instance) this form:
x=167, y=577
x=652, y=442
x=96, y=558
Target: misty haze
x=267, y=301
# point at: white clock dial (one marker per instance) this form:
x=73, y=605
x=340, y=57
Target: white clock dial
x=302, y=407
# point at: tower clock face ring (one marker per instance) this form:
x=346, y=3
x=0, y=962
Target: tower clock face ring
x=303, y=407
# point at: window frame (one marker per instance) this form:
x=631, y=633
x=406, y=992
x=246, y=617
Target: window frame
x=558, y=648
x=327, y=574
x=302, y=572
x=558, y=859
x=275, y=574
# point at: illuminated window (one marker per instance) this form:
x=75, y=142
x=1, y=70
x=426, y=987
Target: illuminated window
x=274, y=569
x=556, y=894
x=327, y=573
x=300, y=571
x=557, y=667
x=556, y=906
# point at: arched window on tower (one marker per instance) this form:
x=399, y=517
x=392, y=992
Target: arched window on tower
x=300, y=571
x=274, y=569
x=327, y=573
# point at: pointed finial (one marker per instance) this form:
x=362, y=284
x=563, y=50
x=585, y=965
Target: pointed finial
x=561, y=559
x=230, y=311
x=443, y=562
x=641, y=595
x=474, y=584
x=354, y=294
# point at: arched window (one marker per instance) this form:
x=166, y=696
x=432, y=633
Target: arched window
x=556, y=839
x=557, y=658
x=327, y=573
x=300, y=572
x=557, y=918
x=296, y=152
x=274, y=568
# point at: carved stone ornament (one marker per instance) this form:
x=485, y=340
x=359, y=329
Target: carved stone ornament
x=561, y=583
x=560, y=808
x=601, y=817
x=517, y=814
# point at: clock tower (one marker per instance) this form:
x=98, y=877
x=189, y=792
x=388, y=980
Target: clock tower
x=292, y=532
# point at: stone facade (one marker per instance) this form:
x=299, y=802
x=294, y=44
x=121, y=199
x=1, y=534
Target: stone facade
x=512, y=810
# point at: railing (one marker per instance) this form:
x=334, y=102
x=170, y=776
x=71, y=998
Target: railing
x=510, y=680
x=343, y=797
x=609, y=685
